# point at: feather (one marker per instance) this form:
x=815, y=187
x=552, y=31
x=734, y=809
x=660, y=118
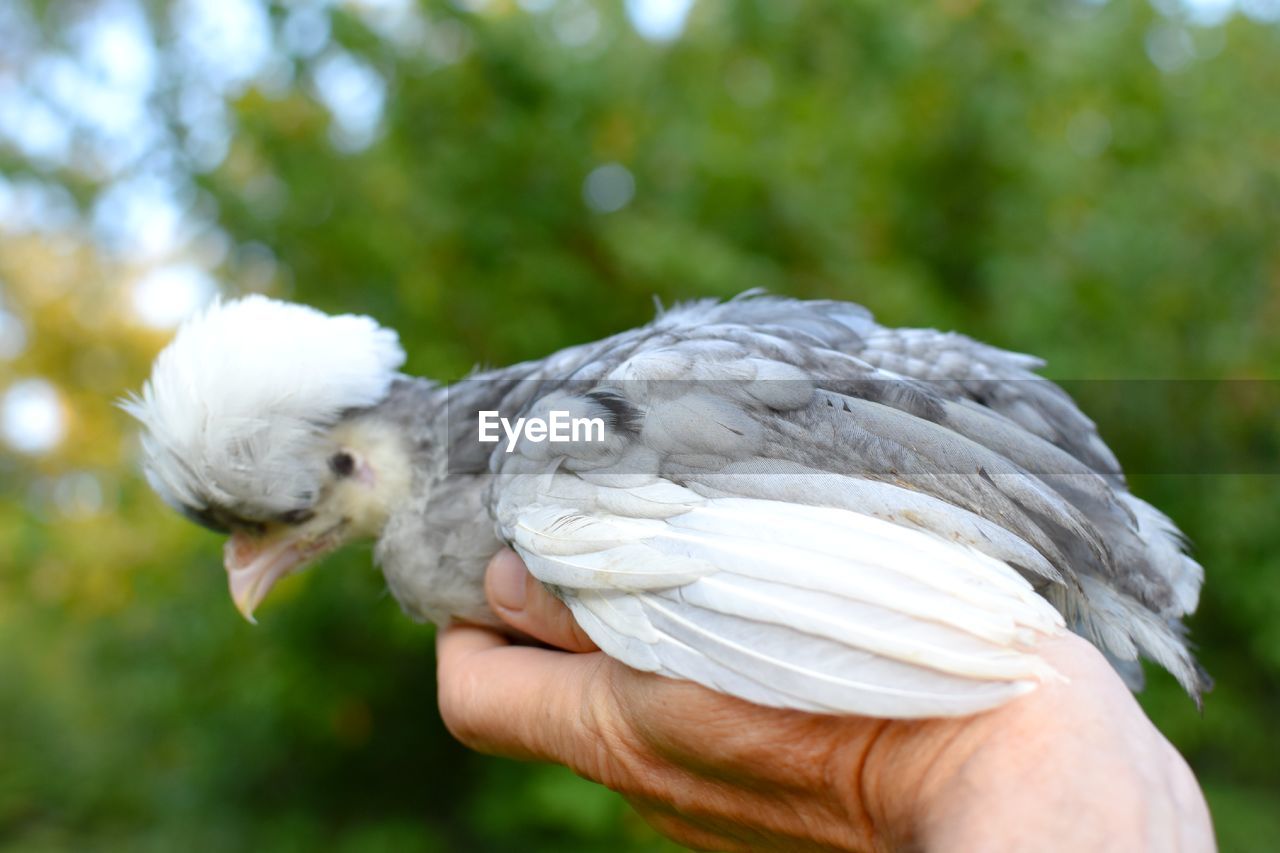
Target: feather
x=1167, y=556
x=787, y=668
x=1124, y=628
x=809, y=409
x=797, y=484
x=900, y=622
x=238, y=401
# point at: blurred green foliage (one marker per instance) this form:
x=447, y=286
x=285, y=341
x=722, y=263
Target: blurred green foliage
x=1025, y=173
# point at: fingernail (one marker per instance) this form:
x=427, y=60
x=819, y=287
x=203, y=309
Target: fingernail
x=507, y=580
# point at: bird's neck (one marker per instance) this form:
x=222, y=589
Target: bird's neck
x=437, y=540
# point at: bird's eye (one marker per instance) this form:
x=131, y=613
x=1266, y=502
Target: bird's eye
x=342, y=464
x=297, y=516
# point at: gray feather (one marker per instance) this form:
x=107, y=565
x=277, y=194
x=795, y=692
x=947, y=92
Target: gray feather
x=803, y=403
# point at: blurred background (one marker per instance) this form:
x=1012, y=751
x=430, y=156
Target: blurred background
x=1097, y=182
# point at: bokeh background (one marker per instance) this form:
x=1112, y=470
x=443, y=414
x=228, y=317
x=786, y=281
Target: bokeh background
x=1097, y=182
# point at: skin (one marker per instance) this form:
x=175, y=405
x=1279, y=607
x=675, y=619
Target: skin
x=1071, y=766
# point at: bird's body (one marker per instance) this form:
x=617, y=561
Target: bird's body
x=787, y=502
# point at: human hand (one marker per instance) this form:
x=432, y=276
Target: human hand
x=1070, y=766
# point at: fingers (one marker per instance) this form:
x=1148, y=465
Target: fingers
x=526, y=605
x=516, y=701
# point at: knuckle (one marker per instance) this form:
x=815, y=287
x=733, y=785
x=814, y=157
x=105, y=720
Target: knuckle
x=457, y=700
x=615, y=755
x=685, y=832
x=663, y=821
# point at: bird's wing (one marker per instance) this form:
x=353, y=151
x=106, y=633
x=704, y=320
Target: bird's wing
x=874, y=598
x=815, y=608
x=1002, y=381
x=803, y=448
x=994, y=398
x=949, y=364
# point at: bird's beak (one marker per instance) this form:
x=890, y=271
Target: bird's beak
x=256, y=562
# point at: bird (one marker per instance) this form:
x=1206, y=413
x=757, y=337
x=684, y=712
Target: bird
x=778, y=499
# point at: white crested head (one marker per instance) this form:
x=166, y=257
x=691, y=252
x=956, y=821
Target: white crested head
x=239, y=403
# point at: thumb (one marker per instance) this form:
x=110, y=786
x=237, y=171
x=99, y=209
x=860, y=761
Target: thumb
x=525, y=604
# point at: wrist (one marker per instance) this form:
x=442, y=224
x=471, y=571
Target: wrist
x=981, y=780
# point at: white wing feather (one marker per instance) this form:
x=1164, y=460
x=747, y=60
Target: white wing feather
x=814, y=608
